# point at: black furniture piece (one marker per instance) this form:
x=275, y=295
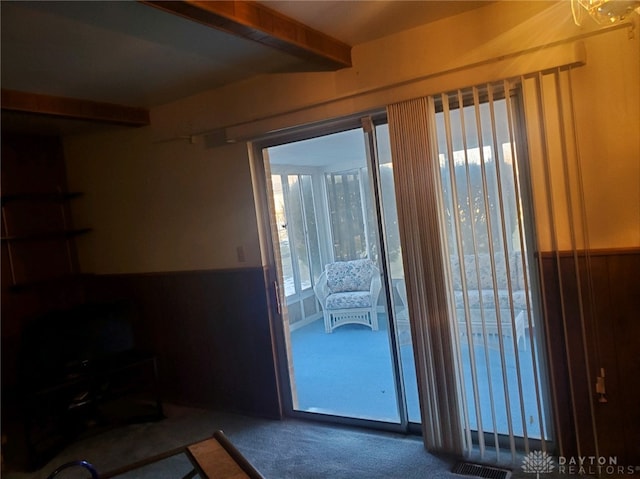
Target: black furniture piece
x=81, y=371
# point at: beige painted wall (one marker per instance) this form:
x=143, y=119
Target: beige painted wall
x=608, y=123
x=600, y=180
x=163, y=205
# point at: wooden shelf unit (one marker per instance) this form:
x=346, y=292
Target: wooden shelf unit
x=36, y=235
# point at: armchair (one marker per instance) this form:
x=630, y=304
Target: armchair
x=348, y=292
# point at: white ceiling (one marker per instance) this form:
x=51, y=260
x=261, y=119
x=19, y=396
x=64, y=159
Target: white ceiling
x=128, y=53
x=360, y=21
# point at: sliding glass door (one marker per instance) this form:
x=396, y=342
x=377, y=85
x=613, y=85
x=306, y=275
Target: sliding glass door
x=490, y=260
x=334, y=230
x=467, y=225
x=467, y=317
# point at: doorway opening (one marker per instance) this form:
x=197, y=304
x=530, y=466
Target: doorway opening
x=334, y=231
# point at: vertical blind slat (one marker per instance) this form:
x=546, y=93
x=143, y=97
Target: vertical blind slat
x=540, y=99
x=574, y=246
x=520, y=231
x=456, y=227
x=420, y=230
x=483, y=309
x=508, y=385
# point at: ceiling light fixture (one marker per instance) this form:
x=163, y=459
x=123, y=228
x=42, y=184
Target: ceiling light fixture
x=604, y=12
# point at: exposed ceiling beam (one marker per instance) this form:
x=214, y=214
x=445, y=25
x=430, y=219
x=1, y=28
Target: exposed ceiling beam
x=73, y=108
x=257, y=22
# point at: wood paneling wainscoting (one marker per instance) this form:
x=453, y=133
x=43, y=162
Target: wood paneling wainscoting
x=603, y=287
x=210, y=331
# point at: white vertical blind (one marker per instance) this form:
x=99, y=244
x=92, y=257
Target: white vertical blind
x=475, y=170
x=467, y=227
x=489, y=271
x=553, y=148
x=415, y=174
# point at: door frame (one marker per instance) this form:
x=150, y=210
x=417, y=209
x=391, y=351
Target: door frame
x=260, y=173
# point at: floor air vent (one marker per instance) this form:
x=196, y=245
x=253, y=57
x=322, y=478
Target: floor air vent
x=476, y=470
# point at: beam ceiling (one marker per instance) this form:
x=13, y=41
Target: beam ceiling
x=73, y=108
x=244, y=19
x=259, y=23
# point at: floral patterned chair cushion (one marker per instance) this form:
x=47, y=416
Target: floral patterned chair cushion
x=347, y=276
x=350, y=299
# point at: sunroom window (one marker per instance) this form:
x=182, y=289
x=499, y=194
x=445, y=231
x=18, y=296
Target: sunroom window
x=297, y=231
x=347, y=215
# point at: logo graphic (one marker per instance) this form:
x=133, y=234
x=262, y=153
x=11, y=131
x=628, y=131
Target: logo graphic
x=538, y=462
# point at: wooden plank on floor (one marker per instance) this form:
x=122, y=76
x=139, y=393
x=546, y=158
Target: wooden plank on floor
x=213, y=461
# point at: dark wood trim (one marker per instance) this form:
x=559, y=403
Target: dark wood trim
x=591, y=306
x=73, y=108
x=261, y=24
x=211, y=333
x=591, y=252
x=186, y=272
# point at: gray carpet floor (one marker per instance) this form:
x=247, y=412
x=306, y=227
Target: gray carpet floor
x=279, y=449
x=287, y=449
